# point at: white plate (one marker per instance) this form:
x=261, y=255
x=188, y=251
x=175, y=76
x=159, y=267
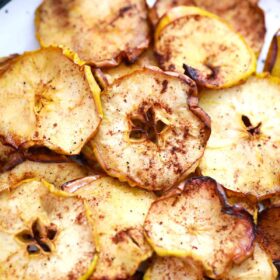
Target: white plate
x=17, y=26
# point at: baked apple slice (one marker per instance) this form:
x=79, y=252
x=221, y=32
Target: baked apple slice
x=55, y=173
x=197, y=222
x=57, y=102
x=272, y=63
x=244, y=16
x=268, y=231
x=117, y=215
x=102, y=33
x=172, y=268
x=44, y=234
x=154, y=133
x=188, y=44
x=243, y=150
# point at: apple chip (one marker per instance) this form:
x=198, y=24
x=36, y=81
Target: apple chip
x=244, y=16
x=268, y=233
x=172, y=268
x=55, y=173
x=188, y=44
x=258, y=267
x=153, y=133
x=272, y=63
x=102, y=33
x=197, y=222
x=117, y=213
x=146, y=59
x=56, y=102
x=245, y=137
x=44, y=234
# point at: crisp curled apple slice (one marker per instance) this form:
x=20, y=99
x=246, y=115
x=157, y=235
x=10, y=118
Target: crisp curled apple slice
x=245, y=17
x=47, y=100
x=188, y=44
x=172, y=268
x=154, y=133
x=243, y=150
x=102, y=33
x=257, y=267
x=117, y=215
x=268, y=231
x=55, y=173
x=44, y=234
x=197, y=222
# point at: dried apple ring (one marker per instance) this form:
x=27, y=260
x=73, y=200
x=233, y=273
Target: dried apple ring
x=117, y=214
x=197, y=222
x=153, y=133
x=186, y=42
x=243, y=150
x=44, y=234
x=48, y=100
x=102, y=33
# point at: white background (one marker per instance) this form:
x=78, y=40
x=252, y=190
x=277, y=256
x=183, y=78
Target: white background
x=17, y=25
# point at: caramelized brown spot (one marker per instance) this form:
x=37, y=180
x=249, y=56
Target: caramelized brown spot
x=214, y=71
x=51, y=231
x=164, y=86
x=119, y=237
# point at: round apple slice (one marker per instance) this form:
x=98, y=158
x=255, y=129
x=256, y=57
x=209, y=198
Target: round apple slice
x=55, y=173
x=272, y=63
x=102, y=33
x=172, y=268
x=245, y=17
x=197, y=222
x=57, y=102
x=188, y=44
x=258, y=267
x=44, y=234
x=154, y=133
x=268, y=233
x=245, y=136
x=117, y=214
